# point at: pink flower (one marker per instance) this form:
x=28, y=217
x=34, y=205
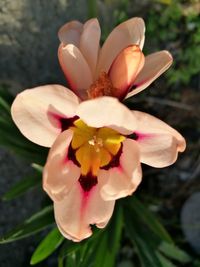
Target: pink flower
x=96, y=159
x=98, y=145
x=120, y=60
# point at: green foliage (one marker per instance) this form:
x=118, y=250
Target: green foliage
x=92, y=8
x=148, y=217
x=47, y=246
x=32, y=225
x=22, y=187
x=154, y=247
x=178, y=30
x=174, y=252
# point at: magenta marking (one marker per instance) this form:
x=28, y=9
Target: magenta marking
x=71, y=156
x=87, y=182
x=61, y=122
x=142, y=136
x=85, y=198
x=134, y=86
x=133, y=136
x=115, y=161
x=67, y=122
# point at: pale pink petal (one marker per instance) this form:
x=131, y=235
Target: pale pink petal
x=155, y=64
x=75, y=68
x=70, y=33
x=125, y=68
x=125, y=34
x=37, y=111
x=79, y=209
x=124, y=179
x=159, y=143
x=109, y=112
x=60, y=173
x=89, y=42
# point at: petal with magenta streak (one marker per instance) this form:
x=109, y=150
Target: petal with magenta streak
x=158, y=142
x=37, y=112
x=60, y=173
x=124, y=179
x=80, y=209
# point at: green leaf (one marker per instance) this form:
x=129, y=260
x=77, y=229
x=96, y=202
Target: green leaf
x=22, y=187
x=6, y=95
x=142, y=239
x=109, y=241
x=175, y=253
x=149, y=219
x=115, y=232
x=34, y=224
x=48, y=245
x=101, y=254
x=149, y=237
x=70, y=247
x=4, y=105
x=165, y=262
x=37, y=167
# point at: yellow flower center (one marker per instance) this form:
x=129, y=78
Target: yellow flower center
x=94, y=147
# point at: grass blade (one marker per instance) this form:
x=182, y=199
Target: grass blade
x=48, y=245
x=34, y=224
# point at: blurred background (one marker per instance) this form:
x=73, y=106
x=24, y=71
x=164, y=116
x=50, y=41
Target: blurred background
x=28, y=58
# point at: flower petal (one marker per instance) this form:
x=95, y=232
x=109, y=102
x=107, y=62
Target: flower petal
x=60, y=173
x=79, y=209
x=124, y=179
x=37, y=111
x=125, y=68
x=125, y=34
x=155, y=64
x=109, y=112
x=88, y=47
x=70, y=33
x=75, y=68
x=159, y=143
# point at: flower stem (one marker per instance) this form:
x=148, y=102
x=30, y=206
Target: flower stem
x=92, y=8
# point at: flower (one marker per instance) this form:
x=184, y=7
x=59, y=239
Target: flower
x=119, y=63
x=97, y=145
x=96, y=156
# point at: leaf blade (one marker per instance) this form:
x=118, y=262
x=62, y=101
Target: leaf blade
x=32, y=225
x=175, y=253
x=47, y=246
x=21, y=187
x=149, y=218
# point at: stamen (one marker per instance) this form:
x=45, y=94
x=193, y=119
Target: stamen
x=96, y=142
x=93, y=149
x=101, y=87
